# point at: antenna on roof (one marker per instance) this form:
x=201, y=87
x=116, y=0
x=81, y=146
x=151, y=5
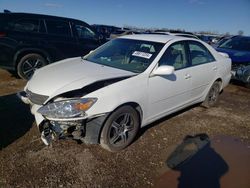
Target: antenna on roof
x=6, y=11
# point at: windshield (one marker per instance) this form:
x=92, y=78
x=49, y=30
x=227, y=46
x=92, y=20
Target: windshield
x=222, y=41
x=126, y=54
x=237, y=43
x=118, y=32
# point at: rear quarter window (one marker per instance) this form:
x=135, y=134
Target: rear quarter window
x=25, y=25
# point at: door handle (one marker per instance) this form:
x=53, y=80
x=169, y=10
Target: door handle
x=215, y=68
x=187, y=76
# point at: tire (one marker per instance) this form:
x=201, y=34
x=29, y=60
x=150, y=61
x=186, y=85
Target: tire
x=212, y=96
x=28, y=64
x=120, y=129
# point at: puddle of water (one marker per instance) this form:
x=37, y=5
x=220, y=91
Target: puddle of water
x=225, y=163
x=237, y=155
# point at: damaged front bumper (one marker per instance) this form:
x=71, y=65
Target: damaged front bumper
x=86, y=129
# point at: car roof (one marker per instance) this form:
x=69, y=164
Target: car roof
x=239, y=36
x=153, y=38
x=188, y=35
x=33, y=15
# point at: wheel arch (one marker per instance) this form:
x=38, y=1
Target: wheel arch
x=25, y=51
x=134, y=105
x=220, y=81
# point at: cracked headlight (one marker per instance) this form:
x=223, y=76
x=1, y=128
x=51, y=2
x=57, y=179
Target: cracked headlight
x=68, y=108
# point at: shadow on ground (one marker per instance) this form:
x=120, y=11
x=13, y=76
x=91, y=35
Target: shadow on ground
x=197, y=163
x=15, y=119
x=203, y=170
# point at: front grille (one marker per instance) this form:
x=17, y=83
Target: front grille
x=35, y=98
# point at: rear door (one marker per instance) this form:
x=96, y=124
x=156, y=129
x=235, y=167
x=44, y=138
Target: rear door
x=204, y=68
x=60, y=38
x=87, y=39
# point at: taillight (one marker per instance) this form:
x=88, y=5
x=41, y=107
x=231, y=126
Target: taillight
x=2, y=34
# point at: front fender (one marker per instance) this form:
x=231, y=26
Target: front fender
x=133, y=90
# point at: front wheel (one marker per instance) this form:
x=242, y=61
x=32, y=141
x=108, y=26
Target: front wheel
x=120, y=129
x=28, y=64
x=212, y=96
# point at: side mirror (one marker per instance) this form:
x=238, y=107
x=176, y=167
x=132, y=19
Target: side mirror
x=163, y=70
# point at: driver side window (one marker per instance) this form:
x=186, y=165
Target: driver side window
x=175, y=56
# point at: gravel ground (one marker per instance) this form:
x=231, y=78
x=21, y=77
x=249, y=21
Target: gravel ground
x=26, y=162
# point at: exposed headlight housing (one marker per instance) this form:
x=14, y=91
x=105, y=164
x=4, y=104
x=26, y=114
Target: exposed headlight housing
x=67, y=108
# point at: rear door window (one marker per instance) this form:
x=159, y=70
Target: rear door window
x=61, y=28
x=199, y=54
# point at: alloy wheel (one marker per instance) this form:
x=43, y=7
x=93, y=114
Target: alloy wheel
x=121, y=129
x=213, y=94
x=30, y=65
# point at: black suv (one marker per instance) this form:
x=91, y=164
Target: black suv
x=30, y=41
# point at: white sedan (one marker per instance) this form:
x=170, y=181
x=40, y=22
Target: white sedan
x=127, y=83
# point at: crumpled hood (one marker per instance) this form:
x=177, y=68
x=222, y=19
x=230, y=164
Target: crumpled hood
x=236, y=55
x=70, y=74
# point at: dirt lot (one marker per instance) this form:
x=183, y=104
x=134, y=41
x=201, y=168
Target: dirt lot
x=26, y=162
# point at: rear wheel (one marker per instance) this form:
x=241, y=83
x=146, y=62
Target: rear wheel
x=28, y=64
x=212, y=96
x=120, y=129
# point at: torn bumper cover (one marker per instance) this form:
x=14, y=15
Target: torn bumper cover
x=242, y=73
x=87, y=129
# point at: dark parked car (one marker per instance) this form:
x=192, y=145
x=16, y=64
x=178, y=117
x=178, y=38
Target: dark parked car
x=221, y=40
x=210, y=39
x=30, y=41
x=238, y=49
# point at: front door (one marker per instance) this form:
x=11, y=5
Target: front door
x=170, y=92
